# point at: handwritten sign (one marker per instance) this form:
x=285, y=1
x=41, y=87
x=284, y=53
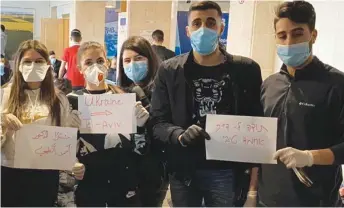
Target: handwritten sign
x=241, y=138
x=45, y=147
x=107, y=113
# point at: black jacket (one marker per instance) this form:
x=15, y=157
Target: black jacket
x=310, y=112
x=172, y=104
x=56, y=67
x=163, y=53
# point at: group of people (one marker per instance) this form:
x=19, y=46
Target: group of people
x=307, y=97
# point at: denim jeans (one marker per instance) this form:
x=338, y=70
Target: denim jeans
x=215, y=187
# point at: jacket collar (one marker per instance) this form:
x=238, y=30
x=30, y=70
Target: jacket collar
x=308, y=71
x=188, y=58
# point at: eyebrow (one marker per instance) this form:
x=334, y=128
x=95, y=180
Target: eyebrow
x=293, y=30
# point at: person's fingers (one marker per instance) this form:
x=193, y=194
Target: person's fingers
x=138, y=103
x=278, y=154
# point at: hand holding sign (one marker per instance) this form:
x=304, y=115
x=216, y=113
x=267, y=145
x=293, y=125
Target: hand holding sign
x=241, y=138
x=192, y=135
x=10, y=122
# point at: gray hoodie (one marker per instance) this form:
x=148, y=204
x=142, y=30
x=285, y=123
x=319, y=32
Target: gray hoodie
x=3, y=42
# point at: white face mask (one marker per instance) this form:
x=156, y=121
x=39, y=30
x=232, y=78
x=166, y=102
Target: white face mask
x=34, y=72
x=96, y=73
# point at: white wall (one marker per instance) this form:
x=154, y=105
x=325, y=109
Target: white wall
x=41, y=8
x=329, y=46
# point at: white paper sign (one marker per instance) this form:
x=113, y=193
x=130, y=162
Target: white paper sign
x=241, y=138
x=107, y=113
x=45, y=147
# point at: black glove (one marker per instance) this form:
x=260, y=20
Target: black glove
x=193, y=135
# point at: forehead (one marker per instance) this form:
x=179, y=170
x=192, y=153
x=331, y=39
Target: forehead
x=286, y=25
x=204, y=14
x=93, y=53
x=129, y=53
x=32, y=54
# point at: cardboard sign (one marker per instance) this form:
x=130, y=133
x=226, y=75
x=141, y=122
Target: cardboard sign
x=107, y=113
x=45, y=147
x=241, y=138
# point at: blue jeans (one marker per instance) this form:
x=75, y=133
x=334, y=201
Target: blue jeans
x=215, y=187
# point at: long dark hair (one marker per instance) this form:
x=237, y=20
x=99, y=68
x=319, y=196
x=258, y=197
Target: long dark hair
x=143, y=48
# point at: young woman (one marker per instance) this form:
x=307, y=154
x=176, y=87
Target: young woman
x=137, y=68
x=31, y=98
x=109, y=159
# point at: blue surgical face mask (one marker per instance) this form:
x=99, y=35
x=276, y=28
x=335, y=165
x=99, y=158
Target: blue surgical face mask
x=294, y=55
x=52, y=60
x=2, y=69
x=204, y=40
x=136, y=71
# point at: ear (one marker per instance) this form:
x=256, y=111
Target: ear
x=314, y=36
x=222, y=29
x=187, y=29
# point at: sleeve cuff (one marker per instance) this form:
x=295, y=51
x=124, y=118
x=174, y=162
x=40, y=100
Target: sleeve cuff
x=338, y=152
x=175, y=134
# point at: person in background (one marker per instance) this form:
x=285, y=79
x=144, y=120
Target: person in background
x=31, y=99
x=5, y=70
x=307, y=97
x=162, y=52
x=112, y=70
x=138, y=65
x=55, y=63
x=3, y=40
x=69, y=58
x=207, y=80
x=110, y=159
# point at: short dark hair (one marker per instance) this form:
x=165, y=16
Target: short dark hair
x=3, y=28
x=205, y=5
x=51, y=53
x=158, y=35
x=75, y=33
x=300, y=12
x=143, y=48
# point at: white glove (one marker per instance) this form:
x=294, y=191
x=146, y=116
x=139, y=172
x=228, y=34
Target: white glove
x=141, y=114
x=74, y=119
x=10, y=122
x=294, y=158
x=78, y=171
x=251, y=200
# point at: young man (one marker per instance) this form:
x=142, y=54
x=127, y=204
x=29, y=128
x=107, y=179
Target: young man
x=307, y=96
x=55, y=63
x=205, y=81
x=162, y=52
x=69, y=58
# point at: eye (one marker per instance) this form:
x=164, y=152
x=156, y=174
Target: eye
x=88, y=63
x=100, y=61
x=26, y=62
x=127, y=61
x=139, y=58
x=40, y=61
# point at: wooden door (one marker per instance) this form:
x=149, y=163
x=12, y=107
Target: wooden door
x=55, y=35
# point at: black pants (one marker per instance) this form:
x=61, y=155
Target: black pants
x=101, y=195
x=153, y=181
x=213, y=187
x=28, y=188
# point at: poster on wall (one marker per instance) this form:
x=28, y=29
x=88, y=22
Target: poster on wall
x=122, y=33
x=183, y=44
x=111, y=32
x=19, y=27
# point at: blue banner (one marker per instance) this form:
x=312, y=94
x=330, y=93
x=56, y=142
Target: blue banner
x=183, y=44
x=111, y=32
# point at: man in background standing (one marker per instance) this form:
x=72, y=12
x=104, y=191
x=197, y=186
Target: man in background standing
x=69, y=58
x=55, y=63
x=160, y=50
x=3, y=40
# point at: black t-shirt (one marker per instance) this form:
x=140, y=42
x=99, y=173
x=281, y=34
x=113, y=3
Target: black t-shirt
x=212, y=93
